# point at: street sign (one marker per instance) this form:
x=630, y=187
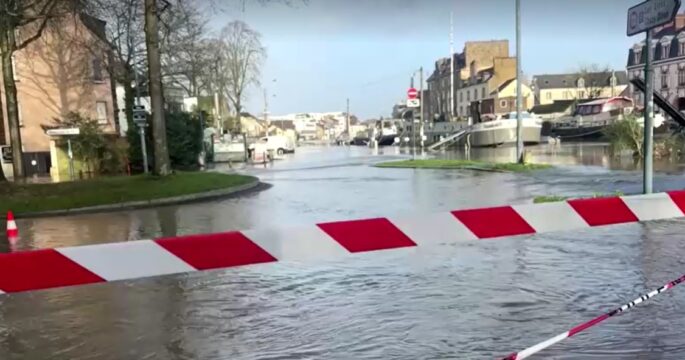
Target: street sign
x=413, y=103
x=650, y=14
x=63, y=132
x=411, y=93
x=139, y=115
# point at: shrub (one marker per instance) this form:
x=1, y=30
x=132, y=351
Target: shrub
x=184, y=141
x=625, y=134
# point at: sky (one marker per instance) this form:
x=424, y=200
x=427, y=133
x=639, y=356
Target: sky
x=321, y=52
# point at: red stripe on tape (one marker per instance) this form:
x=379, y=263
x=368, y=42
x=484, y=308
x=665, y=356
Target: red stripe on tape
x=588, y=324
x=41, y=269
x=603, y=211
x=216, y=251
x=367, y=235
x=494, y=222
x=678, y=198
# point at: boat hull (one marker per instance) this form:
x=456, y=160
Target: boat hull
x=503, y=133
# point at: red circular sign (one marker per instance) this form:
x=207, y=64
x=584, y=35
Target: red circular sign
x=411, y=93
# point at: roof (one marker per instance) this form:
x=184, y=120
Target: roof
x=603, y=101
x=557, y=106
x=95, y=25
x=560, y=81
x=503, y=86
x=284, y=124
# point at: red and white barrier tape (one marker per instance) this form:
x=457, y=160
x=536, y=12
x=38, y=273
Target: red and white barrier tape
x=584, y=326
x=52, y=268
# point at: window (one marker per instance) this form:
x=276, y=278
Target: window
x=664, y=80
x=581, y=94
x=101, y=110
x=503, y=103
x=581, y=83
x=475, y=94
x=681, y=77
x=548, y=95
x=613, y=80
x=665, y=51
x=14, y=68
x=461, y=96
x=681, y=48
x=461, y=110
x=482, y=93
x=97, y=69
x=638, y=57
x=468, y=95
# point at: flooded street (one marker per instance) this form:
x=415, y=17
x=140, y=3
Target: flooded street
x=474, y=300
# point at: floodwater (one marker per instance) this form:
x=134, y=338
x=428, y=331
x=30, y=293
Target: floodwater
x=472, y=300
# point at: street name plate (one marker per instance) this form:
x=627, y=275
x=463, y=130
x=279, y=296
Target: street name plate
x=650, y=14
x=62, y=132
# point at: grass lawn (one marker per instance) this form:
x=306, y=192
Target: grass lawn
x=23, y=198
x=461, y=164
x=554, y=198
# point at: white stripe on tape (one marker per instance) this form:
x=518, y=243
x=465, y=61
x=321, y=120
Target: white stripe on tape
x=554, y=216
x=543, y=345
x=438, y=228
x=11, y=225
x=126, y=260
x=297, y=244
x=652, y=206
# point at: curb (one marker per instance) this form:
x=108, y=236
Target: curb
x=255, y=185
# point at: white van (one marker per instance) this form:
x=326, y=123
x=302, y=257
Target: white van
x=278, y=144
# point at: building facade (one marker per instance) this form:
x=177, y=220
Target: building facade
x=476, y=56
x=553, y=87
x=482, y=83
x=63, y=71
x=668, y=54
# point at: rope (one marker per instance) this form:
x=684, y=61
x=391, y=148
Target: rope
x=584, y=326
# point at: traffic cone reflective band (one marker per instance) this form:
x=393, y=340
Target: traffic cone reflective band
x=12, y=231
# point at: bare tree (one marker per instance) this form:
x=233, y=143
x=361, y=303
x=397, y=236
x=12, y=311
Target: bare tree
x=595, y=79
x=183, y=46
x=29, y=19
x=126, y=37
x=162, y=164
x=241, y=57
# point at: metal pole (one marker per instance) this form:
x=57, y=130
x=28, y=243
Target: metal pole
x=266, y=109
x=649, y=128
x=71, y=159
x=451, y=66
x=143, y=147
x=421, y=109
x=347, y=120
x=519, y=97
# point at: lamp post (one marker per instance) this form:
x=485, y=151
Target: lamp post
x=140, y=119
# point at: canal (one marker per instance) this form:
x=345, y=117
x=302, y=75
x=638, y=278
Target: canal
x=474, y=300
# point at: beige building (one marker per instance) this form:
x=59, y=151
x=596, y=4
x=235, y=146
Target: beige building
x=550, y=88
x=62, y=71
x=475, y=57
x=490, y=85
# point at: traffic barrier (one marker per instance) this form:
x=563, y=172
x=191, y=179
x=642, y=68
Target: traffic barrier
x=68, y=266
x=12, y=230
x=586, y=325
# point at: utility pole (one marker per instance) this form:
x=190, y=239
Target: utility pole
x=266, y=112
x=421, y=108
x=347, y=120
x=141, y=128
x=452, y=66
x=519, y=96
x=649, y=127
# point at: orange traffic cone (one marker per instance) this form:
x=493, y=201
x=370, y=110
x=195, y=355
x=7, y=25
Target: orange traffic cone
x=12, y=231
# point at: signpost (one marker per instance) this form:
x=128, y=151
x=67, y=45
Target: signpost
x=66, y=132
x=140, y=119
x=643, y=18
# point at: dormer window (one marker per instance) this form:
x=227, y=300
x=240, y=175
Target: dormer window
x=581, y=83
x=638, y=56
x=665, y=51
x=613, y=81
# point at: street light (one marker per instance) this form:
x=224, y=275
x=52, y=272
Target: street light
x=140, y=119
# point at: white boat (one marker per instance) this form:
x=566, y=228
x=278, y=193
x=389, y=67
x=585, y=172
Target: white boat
x=502, y=130
x=388, y=133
